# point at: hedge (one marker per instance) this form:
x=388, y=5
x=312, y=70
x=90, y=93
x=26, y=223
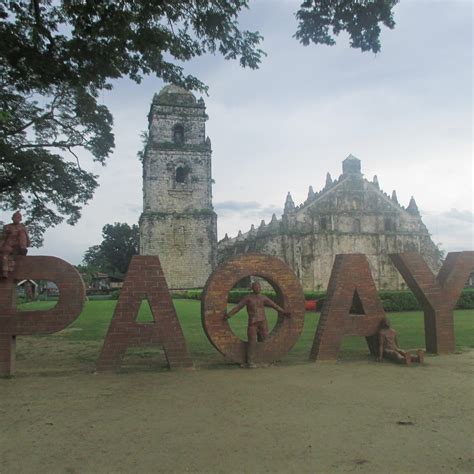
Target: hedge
x=392, y=301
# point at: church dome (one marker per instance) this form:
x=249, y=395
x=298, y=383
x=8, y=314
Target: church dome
x=174, y=95
x=351, y=165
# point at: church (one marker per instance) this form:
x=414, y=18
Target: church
x=349, y=215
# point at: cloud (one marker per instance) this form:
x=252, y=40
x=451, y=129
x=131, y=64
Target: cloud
x=247, y=208
x=236, y=206
x=240, y=215
x=466, y=216
x=453, y=230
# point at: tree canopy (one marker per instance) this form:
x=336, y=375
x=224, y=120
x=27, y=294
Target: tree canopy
x=120, y=243
x=56, y=57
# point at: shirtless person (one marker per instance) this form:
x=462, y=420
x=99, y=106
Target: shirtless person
x=388, y=346
x=15, y=242
x=257, y=329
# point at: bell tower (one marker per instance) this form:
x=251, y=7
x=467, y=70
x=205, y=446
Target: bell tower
x=178, y=222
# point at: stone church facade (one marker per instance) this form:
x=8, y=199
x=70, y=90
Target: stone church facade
x=350, y=215
x=178, y=222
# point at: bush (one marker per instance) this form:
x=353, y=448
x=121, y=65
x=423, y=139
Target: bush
x=94, y=292
x=399, y=301
x=393, y=301
x=466, y=301
x=114, y=294
x=99, y=297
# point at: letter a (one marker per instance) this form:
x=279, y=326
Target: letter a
x=437, y=295
x=145, y=279
x=351, y=284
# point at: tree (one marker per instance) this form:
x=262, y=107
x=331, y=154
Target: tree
x=56, y=57
x=359, y=18
x=120, y=243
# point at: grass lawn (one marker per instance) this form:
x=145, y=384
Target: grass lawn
x=92, y=325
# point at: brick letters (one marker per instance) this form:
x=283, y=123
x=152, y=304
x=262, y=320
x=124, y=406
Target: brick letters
x=437, y=295
x=290, y=296
x=145, y=279
x=24, y=323
x=350, y=277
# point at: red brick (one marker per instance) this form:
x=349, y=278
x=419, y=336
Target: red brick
x=125, y=332
x=214, y=304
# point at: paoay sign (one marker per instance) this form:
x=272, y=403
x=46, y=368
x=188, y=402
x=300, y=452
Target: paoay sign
x=350, y=277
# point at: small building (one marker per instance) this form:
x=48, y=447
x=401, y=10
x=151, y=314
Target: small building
x=104, y=281
x=28, y=289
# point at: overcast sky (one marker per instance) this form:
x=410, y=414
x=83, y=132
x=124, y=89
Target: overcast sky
x=406, y=113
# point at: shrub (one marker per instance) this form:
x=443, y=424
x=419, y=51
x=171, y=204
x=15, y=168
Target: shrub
x=466, y=301
x=399, y=301
x=114, y=294
x=393, y=301
x=94, y=292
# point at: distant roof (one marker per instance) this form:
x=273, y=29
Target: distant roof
x=172, y=94
x=351, y=157
x=100, y=275
x=172, y=89
x=22, y=282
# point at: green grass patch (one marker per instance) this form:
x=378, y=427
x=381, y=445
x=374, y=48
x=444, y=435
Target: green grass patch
x=94, y=321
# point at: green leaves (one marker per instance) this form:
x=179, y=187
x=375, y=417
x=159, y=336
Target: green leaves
x=319, y=21
x=56, y=57
x=119, y=245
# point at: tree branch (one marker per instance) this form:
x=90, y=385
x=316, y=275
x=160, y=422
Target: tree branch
x=39, y=23
x=35, y=120
x=64, y=145
x=77, y=158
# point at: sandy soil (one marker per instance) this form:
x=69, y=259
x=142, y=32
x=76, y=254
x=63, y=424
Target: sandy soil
x=353, y=416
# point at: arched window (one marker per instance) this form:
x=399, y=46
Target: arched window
x=389, y=224
x=356, y=226
x=178, y=134
x=181, y=174
x=356, y=203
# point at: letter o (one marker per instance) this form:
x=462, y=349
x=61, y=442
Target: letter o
x=289, y=295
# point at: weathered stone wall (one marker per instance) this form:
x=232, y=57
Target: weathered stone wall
x=185, y=243
x=350, y=215
x=161, y=191
x=178, y=222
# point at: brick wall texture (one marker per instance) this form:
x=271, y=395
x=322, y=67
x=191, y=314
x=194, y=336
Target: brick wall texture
x=437, y=294
x=25, y=323
x=145, y=279
x=350, y=275
x=290, y=297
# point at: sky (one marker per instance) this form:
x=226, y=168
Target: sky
x=406, y=113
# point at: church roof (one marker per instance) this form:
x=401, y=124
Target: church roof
x=173, y=89
x=174, y=95
x=349, y=181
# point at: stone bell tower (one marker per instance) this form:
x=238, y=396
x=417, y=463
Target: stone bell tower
x=178, y=222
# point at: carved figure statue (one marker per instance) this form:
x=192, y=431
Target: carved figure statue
x=257, y=329
x=15, y=241
x=388, y=346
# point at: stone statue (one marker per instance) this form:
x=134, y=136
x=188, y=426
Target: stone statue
x=15, y=241
x=388, y=346
x=257, y=329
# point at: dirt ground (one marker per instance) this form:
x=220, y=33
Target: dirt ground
x=352, y=416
